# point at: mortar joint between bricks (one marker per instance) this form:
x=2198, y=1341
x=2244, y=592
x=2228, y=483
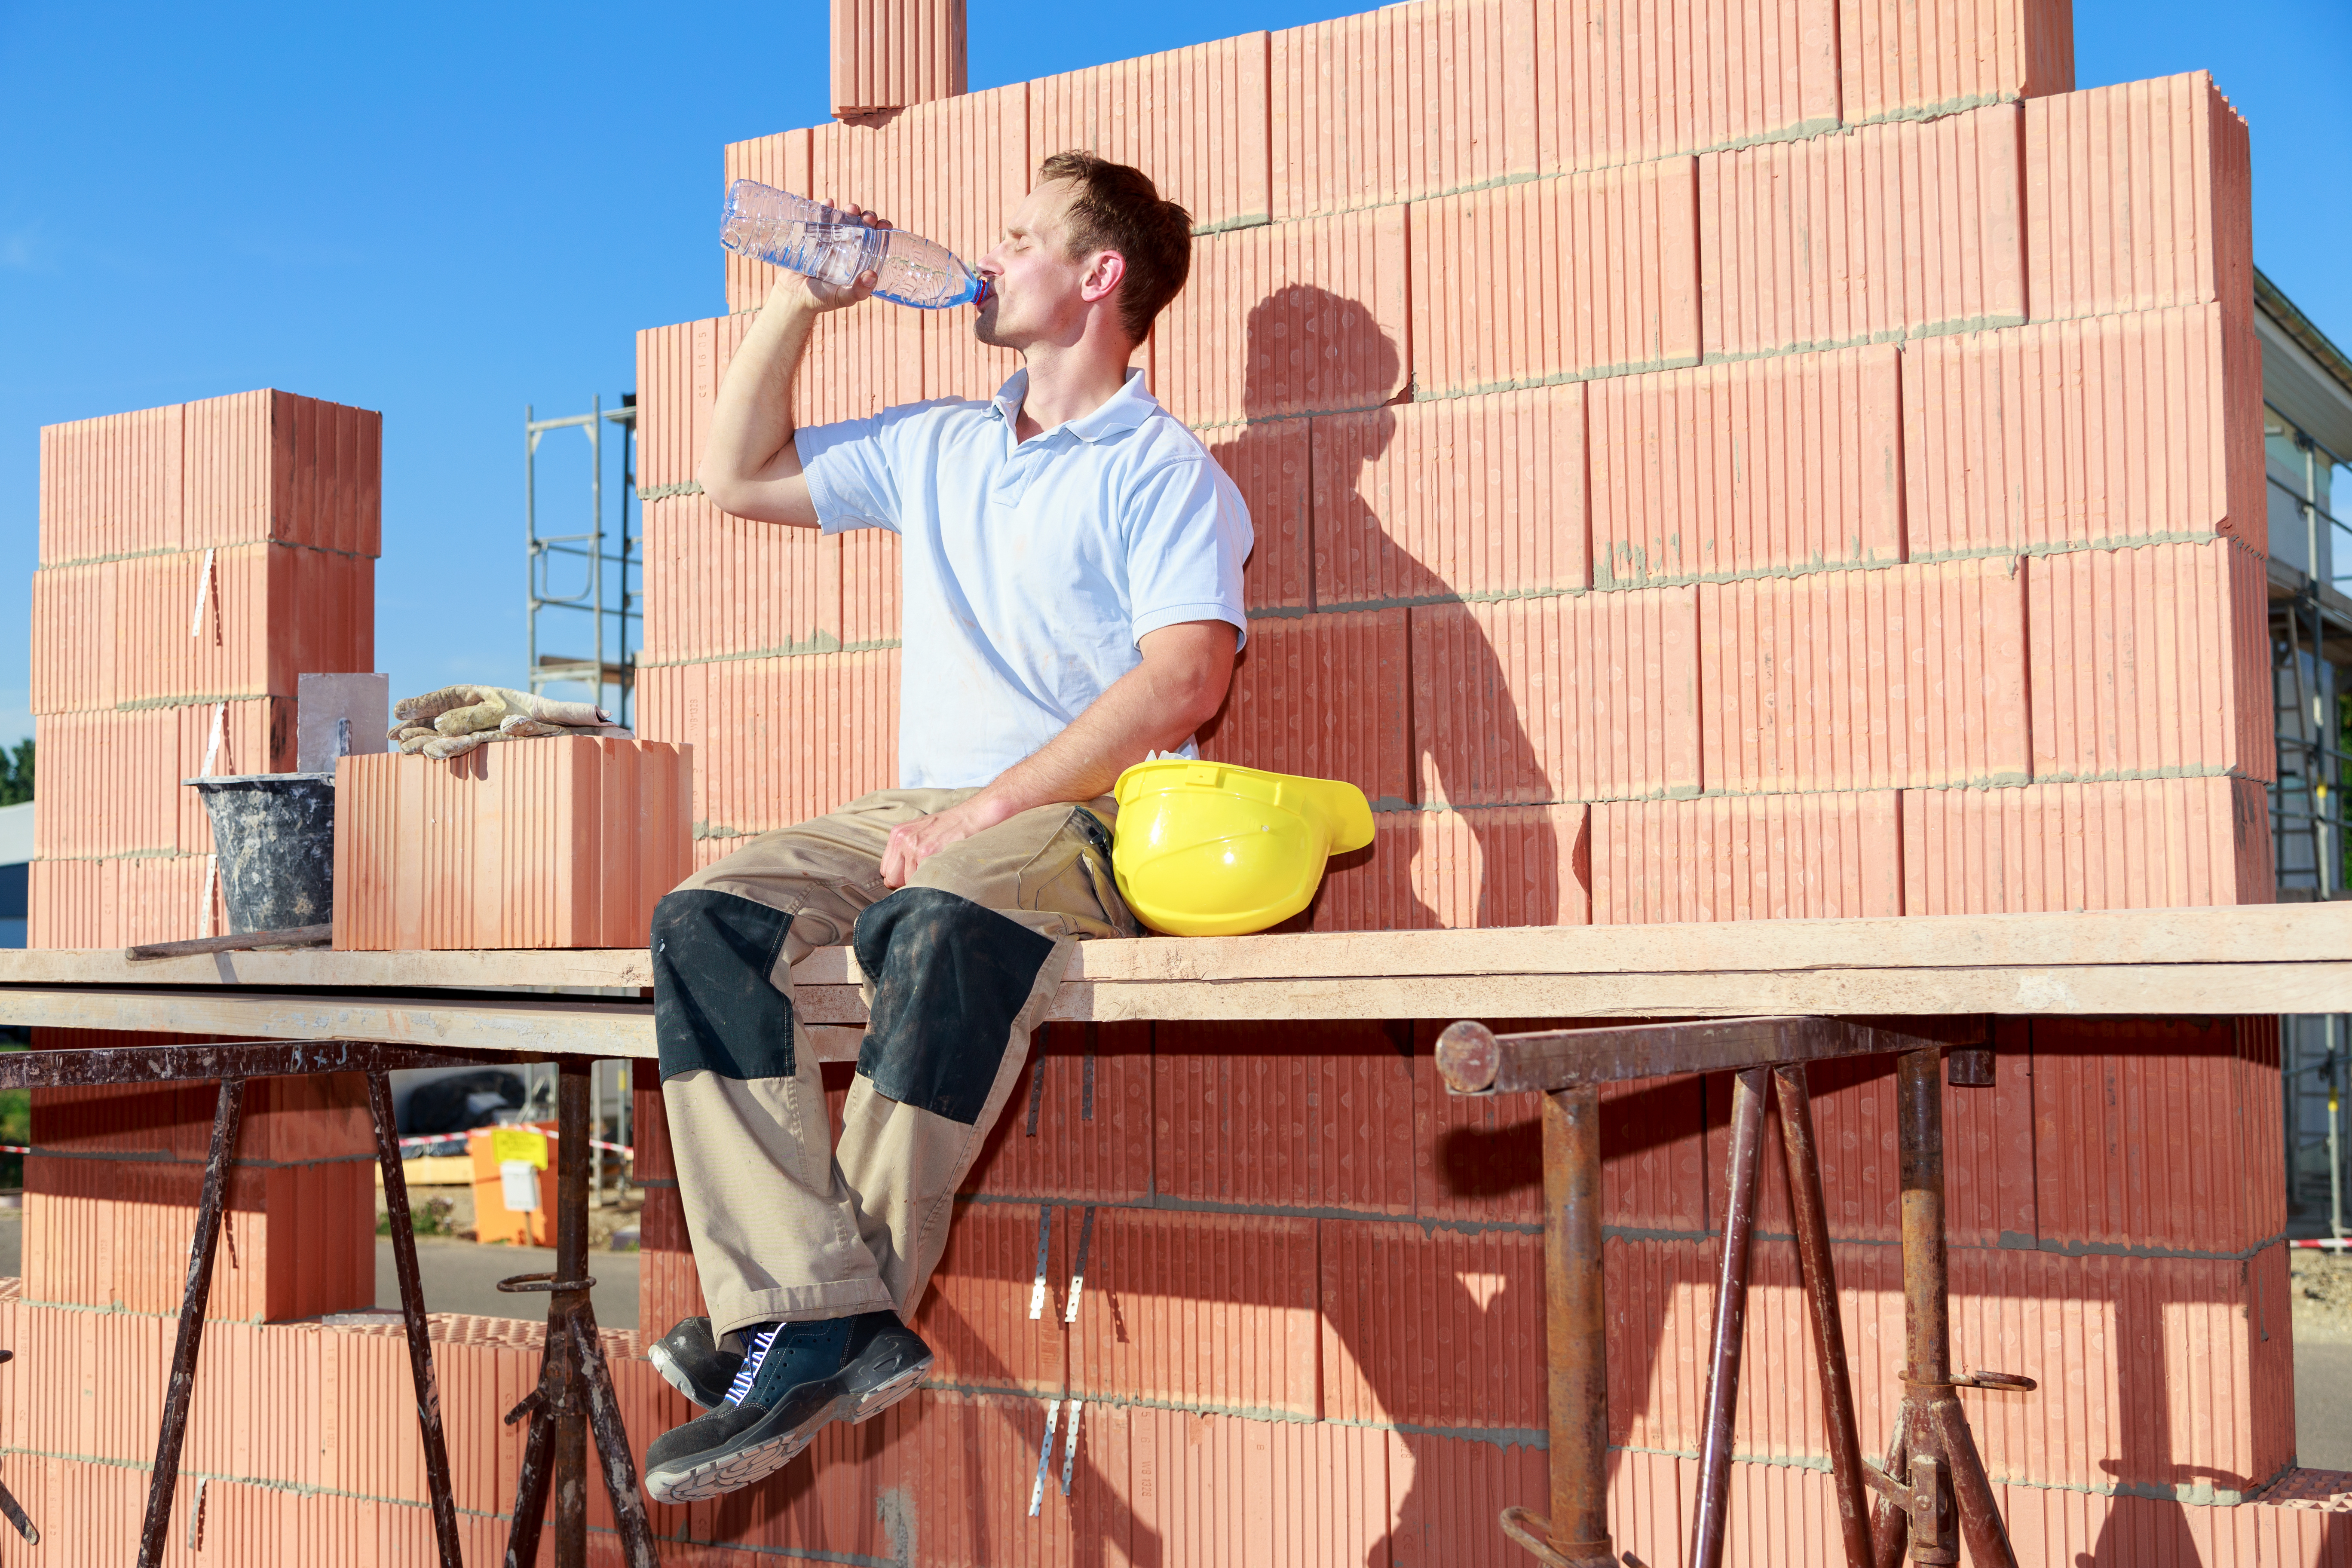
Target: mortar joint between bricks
x=2045, y=547
x=198, y=550
x=197, y=699
x=878, y=645
x=1138, y=1402
x=1428, y=601
x=1920, y=113
x=1160, y=1203
x=1922, y=331
x=119, y=855
x=193, y=1161
x=187, y=1473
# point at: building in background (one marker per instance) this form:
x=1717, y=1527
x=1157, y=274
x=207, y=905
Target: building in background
x=16, y=856
x=2308, y=433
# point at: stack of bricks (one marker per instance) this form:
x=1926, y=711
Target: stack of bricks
x=561, y=841
x=888, y=54
x=301, y=1443
x=1707, y=463
x=194, y=560
x=258, y=516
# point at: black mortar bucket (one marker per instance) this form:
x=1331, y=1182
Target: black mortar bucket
x=275, y=836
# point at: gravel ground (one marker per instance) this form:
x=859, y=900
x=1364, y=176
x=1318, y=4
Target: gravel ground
x=2322, y=1293
x=461, y=1277
x=456, y=1219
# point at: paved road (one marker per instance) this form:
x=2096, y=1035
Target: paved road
x=2323, y=1406
x=459, y=1276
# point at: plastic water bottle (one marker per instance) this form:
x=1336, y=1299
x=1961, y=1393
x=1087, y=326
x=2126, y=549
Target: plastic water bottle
x=827, y=244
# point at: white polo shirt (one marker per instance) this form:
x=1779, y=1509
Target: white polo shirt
x=1031, y=570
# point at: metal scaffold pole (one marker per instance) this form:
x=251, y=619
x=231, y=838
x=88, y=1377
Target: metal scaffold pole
x=2335, y=1136
x=609, y=568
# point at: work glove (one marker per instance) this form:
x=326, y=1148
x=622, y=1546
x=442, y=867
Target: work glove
x=468, y=710
x=413, y=739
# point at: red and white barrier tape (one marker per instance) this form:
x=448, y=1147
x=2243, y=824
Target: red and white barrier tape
x=624, y=1150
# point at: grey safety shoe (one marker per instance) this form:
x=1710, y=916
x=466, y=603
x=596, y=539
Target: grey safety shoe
x=794, y=1378
x=694, y=1363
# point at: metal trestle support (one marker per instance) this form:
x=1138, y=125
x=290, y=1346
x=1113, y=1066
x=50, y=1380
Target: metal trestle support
x=575, y=1396
x=1932, y=1494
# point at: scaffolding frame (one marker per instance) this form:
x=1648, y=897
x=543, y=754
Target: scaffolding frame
x=617, y=598
x=614, y=602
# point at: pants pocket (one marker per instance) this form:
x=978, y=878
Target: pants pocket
x=1071, y=875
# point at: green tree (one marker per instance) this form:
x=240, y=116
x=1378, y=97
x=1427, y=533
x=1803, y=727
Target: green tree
x=17, y=773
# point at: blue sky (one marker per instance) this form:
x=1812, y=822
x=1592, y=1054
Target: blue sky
x=448, y=212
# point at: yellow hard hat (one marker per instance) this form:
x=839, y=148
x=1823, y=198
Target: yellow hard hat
x=1214, y=850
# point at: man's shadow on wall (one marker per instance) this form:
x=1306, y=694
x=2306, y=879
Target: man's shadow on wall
x=1329, y=518
x=1324, y=517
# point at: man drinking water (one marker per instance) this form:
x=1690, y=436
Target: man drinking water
x=1072, y=593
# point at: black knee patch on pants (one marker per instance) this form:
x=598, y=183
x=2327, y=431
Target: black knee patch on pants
x=715, y=1007
x=950, y=978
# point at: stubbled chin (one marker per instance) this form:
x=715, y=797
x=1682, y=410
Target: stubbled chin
x=984, y=326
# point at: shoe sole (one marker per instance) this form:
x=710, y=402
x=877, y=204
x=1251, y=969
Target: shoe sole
x=675, y=1375
x=737, y=1469
x=740, y=1467
x=888, y=1392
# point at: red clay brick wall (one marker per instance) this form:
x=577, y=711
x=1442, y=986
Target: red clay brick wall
x=1310, y=1326
x=111, y=1188
x=888, y=54
x=1707, y=464
x=302, y=1435
x=195, y=560
x=1985, y=439
x=1313, y=1284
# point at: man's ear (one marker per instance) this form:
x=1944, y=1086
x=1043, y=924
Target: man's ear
x=1103, y=276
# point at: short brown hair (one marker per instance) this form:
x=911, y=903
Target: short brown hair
x=1119, y=209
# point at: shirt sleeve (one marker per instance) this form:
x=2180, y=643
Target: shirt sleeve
x=850, y=473
x=1187, y=532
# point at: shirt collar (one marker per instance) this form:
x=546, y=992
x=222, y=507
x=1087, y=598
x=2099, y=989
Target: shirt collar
x=1121, y=412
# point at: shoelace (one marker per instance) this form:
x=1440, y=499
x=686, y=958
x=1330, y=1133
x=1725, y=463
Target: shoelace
x=754, y=1353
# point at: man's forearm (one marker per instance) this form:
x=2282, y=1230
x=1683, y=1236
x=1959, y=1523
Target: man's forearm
x=1155, y=707
x=752, y=422
x=1119, y=729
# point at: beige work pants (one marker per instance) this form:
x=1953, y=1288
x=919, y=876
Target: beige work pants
x=960, y=965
